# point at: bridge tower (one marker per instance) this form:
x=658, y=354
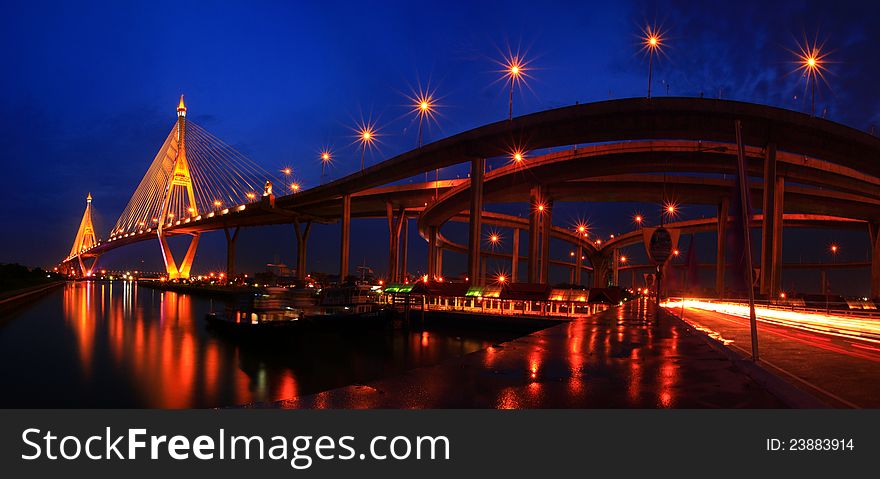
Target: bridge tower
x=85, y=240
x=180, y=178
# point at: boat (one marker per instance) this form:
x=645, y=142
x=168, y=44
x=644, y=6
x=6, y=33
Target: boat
x=275, y=314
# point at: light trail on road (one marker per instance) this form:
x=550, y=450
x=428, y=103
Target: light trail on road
x=836, y=325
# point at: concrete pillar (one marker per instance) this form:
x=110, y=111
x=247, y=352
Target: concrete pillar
x=514, y=262
x=579, y=252
x=874, y=231
x=771, y=237
x=478, y=169
x=302, y=240
x=535, y=198
x=346, y=233
x=721, y=251
x=546, y=227
x=600, y=264
x=394, y=226
x=230, y=252
x=440, y=260
x=615, y=267
x=778, y=225
x=432, y=252
x=404, y=247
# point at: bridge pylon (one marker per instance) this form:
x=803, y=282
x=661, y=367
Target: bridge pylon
x=180, y=180
x=84, y=241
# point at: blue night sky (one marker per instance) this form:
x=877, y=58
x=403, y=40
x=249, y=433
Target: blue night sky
x=89, y=92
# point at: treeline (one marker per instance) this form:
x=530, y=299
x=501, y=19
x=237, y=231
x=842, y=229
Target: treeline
x=15, y=276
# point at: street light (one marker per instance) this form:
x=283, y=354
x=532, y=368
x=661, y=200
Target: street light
x=366, y=136
x=652, y=42
x=811, y=62
x=424, y=106
x=638, y=219
x=326, y=157
x=670, y=210
x=834, y=249
x=494, y=239
x=515, y=68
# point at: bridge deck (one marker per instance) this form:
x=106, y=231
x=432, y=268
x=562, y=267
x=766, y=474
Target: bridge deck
x=612, y=359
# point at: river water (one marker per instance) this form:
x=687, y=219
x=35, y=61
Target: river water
x=114, y=344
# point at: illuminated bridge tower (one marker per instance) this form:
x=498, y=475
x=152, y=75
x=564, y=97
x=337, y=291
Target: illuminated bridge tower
x=179, y=191
x=85, y=240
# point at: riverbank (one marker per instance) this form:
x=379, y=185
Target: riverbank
x=19, y=297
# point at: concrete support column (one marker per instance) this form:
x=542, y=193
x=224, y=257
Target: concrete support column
x=600, y=264
x=546, y=227
x=615, y=267
x=394, y=225
x=302, y=239
x=478, y=169
x=579, y=252
x=514, y=262
x=874, y=231
x=721, y=250
x=771, y=237
x=432, y=252
x=535, y=198
x=440, y=260
x=345, y=240
x=403, y=248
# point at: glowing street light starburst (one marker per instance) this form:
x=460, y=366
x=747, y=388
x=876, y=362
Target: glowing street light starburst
x=517, y=155
x=514, y=72
x=638, y=219
x=494, y=239
x=424, y=106
x=670, y=209
x=326, y=158
x=367, y=134
x=652, y=44
x=810, y=62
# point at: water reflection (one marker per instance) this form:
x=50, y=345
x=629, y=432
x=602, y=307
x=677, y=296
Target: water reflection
x=115, y=344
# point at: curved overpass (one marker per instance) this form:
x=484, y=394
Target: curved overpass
x=833, y=169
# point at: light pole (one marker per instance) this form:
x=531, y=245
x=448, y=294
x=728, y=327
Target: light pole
x=424, y=107
x=514, y=71
x=652, y=42
x=834, y=249
x=326, y=157
x=366, y=135
x=811, y=61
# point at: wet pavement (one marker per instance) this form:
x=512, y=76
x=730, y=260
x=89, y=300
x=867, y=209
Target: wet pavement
x=840, y=371
x=619, y=358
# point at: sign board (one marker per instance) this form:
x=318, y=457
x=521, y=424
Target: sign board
x=660, y=243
